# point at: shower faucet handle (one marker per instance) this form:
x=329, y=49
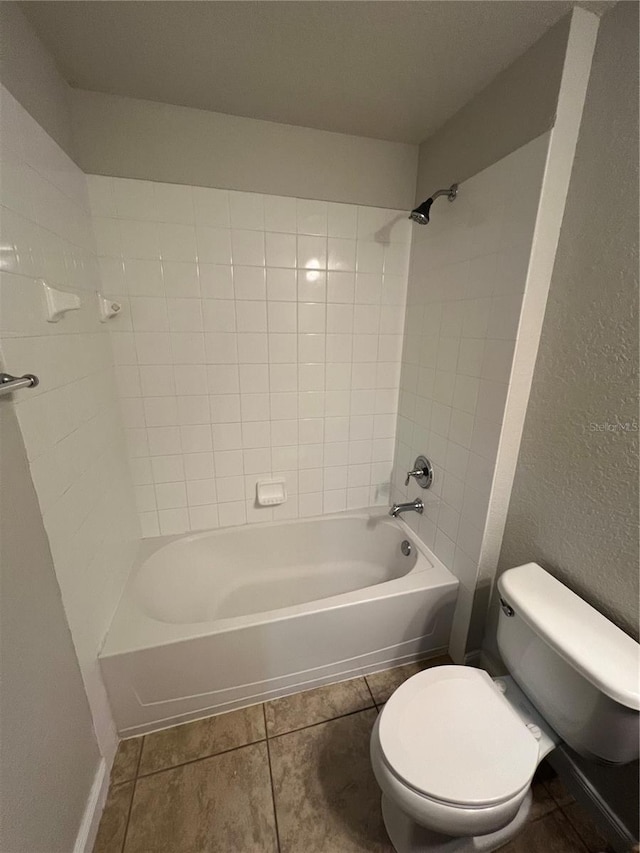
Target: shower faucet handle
x=422, y=473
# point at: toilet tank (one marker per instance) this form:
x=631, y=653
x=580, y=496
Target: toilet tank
x=579, y=669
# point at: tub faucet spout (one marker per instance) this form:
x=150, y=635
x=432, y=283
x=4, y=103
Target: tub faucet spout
x=413, y=506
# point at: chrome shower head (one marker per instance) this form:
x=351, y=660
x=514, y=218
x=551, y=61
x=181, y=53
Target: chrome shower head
x=420, y=214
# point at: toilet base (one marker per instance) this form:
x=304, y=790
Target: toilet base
x=408, y=837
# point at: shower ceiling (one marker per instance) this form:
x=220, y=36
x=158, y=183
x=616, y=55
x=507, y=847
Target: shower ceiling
x=388, y=70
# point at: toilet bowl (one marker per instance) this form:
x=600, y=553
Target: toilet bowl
x=454, y=753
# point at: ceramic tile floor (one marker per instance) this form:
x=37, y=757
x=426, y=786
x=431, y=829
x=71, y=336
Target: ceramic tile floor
x=287, y=776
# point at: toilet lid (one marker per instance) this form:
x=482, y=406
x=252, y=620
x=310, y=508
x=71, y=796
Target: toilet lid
x=449, y=734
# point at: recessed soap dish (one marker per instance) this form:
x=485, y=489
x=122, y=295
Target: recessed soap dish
x=271, y=492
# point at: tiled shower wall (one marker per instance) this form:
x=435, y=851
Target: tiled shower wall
x=259, y=336
x=70, y=423
x=467, y=279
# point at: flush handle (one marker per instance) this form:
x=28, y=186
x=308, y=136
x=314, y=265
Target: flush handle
x=507, y=609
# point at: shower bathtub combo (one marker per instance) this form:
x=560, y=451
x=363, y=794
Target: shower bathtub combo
x=228, y=618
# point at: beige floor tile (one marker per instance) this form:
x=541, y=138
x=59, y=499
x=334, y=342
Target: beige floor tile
x=201, y=738
x=383, y=684
x=593, y=839
x=316, y=706
x=114, y=819
x=327, y=799
x=221, y=804
x=551, y=834
x=125, y=764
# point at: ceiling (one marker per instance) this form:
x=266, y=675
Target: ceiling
x=387, y=70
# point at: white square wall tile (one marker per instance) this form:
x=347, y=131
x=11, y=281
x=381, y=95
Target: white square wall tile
x=283, y=348
x=257, y=434
x=216, y=281
x=369, y=257
x=280, y=214
x=201, y=492
x=196, y=438
x=254, y=378
x=185, y=315
x=253, y=347
x=180, y=279
x=281, y=250
x=170, y=495
x=312, y=286
x=341, y=287
x=311, y=348
x=224, y=408
x=282, y=318
x=282, y=285
x=237, y=351
x=248, y=248
x=247, y=211
x=249, y=283
x=342, y=220
x=213, y=245
x=219, y=315
x=341, y=254
x=174, y=203
x=223, y=379
x=211, y=207
x=312, y=253
x=311, y=217
x=173, y=521
x=198, y=466
x=251, y=316
x=149, y=314
x=283, y=377
x=133, y=199
x=139, y=240
x=311, y=317
x=203, y=517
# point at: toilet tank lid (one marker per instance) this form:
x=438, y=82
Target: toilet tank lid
x=583, y=637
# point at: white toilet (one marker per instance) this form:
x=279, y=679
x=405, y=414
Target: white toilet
x=454, y=751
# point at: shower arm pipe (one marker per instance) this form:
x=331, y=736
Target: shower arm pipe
x=450, y=193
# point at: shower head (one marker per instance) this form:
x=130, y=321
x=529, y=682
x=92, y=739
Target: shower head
x=420, y=214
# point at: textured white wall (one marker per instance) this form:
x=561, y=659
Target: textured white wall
x=47, y=732
x=29, y=72
x=517, y=106
x=574, y=506
x=131, y=138
x=260, y=336
x=70, y=422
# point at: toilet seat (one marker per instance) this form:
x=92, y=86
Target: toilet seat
x=449, y=736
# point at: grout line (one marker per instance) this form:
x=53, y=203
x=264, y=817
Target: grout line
x=199, y=758
x=273, y=792
x=322, y=722
x=133, y=793
x=144, y=737
x=250, y=743
x=375, y=704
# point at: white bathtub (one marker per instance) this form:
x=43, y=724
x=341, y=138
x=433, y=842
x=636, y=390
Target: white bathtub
x=227, y=618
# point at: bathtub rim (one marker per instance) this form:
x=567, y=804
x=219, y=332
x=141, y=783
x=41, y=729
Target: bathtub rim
x=132, y=630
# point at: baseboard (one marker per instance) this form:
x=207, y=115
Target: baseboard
x=93, y=810
x=611, y=803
